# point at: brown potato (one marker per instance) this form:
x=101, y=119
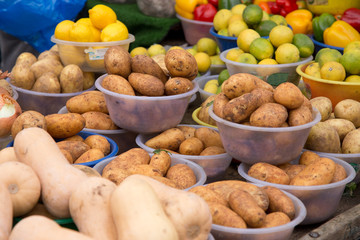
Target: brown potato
x=269, y=115
x=49, y=54
x=74, y=138
x=269, y=173
x=86, y=102
x=99, y=142
x=89, y=171
x=212, y=150
x=209, y=195
x=294, y=170
x=22, y=77
x=342, y=126
x=131, y=157
x=181, y=63
x=26, y=58
x=67, y=155
x=64, y=125
x=323, y=138
x=146, y=65
x=48, y=83
x=98, y=120
x=308, y=157
x=169, y=139
x=288, y=95
x=210, y=137
x=182, y=175
x=144, y=169
x=178, y=85
x=340, y=173
x=351, y=143
x=6, y=85
x=191, y=146
x=275, y=219
x=165, y=181
x=76, y=148
x=238, y=84
x=220, y=101
x=203, y=114
x=160, y=59
x=146, y=84
x=116, y=175
x=89, y=80
x=90, y=155
x=263, y=95
x=323, y=105
x=348, y=109
x=279, y=201
x=262, y=84
x=240, y=108
x=299, y=116
x=46, y=65
x=117, y=84
x=117, y=61
x=224, y=216
x=161, y=160
x=71, y=79
x=188, y=131
x=28, y=119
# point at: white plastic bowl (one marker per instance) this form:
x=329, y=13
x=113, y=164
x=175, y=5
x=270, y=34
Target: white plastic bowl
x=194, y=30
x=202, y=81
x=321, y=201
x=146, y=114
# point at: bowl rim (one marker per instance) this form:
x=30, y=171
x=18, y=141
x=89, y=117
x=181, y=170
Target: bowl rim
x=324, y=45
x=304, y=75
x=254, y=231
x=265, y=129
x=337, y=155
x=195, y=117
x=212, y=31
x=194, y=21
x=130, y=39
x=144, y=98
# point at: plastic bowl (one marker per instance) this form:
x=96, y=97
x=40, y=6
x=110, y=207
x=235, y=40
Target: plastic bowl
x=319, y=45
x=143, y=114
x=198, y=171
x=224, y=42
x=195, y=117
x=202, y=81
x=334, y=90
x=273, y=74
x=321, y=201
x=194, y=30
x=89, y=56
x=124, y=139
x=214, y=165
x=282, y=232
x=251, y=144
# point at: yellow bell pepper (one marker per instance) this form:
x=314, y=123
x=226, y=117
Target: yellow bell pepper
x=185, y=8
x=340, y=34
x=300, y=20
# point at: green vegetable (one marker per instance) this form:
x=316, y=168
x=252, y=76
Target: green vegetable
x=320, y=23
x=228, y=4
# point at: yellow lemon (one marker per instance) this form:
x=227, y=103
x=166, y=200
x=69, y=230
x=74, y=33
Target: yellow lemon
x=235, y=17
x=156, y=49
x=192, y=51
x=101, y=16
x=211, y=86
x=216, y=60
x=313, y=69
x=355, y=45
x=203, y=61
x=221, y=19
x=333, y=71
x=238, y=9
x=84, y=20
x=96, y=32
x=236, y=27
x=139, y=51
x=233, y=54
x=268, y=61
x=353, y=78
x=81, y=32
x=287, y=53
x=207, y=45
x=62, y=30
x=261, y=48
x=114, y=32
x=280, y=35
x=246, y=58
x=223, y=32
x=245, y=38
x=280, y=20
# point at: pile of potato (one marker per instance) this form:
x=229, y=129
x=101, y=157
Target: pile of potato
x=46, y=73
x=338, y=131
x=142, y=75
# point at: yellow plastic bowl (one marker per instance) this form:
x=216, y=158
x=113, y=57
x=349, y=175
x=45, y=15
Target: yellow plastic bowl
x=334, y=90
x=198, y=121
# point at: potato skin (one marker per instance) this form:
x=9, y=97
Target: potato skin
x=181, y=63
x=275, y=219
x=351, y=143
x=288, y=95
x=340, y=173
x=182, y=175
x=146, y=65
x=86, y=102
x=64, y=125
x=212, y=150
x=269, y=173
x=76, y=148
x=144, y=169
x=210, y=137
x=48, y=83
x=269, y=115
x=117, y=61
x=279, y=201
x=98, y=142
x=348, y=109
x=191, y=146
x=308, y=157
x=178, y=85
x=90, y=155
x=98, y=120
x=209, y=195
x=118, y=84
x=71, y=79
x=188, y=131
x=238, y=84
x=342, y=126
x=240, y=108
x=263, y=95
x=146, y=84
x=161, y=160
x=219, y=103
x=299, y=116
x=46, y=65
x=169, y=139
x=323, y=105
x=27, y=119
x=323, y=138
x=22, y=76
x=224, y=216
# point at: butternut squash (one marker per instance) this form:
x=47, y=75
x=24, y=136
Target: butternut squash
x=7, y=154
x=43, y=228
x=23, y=185
x=36, y=148
x=90, y=208
x=6, y=215
x=189, y=213
x=138, y=213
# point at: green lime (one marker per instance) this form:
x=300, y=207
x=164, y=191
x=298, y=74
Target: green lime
x=223, y=75
x=246, y=58
x=327, y=55
x=304, y=43
x=261, y=48
x=278, y=19
x=252, y=14
x=265, y=27
x=350, y=61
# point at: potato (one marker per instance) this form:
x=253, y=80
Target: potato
x=342, y=126
x=98, y=120
x=263, y=95
x=181, y=63
x=117, y=61
x=351, y=143
x=182, y=175
x=89, y=80
x=317, y=173
x=294, y=170
x=87, y=102
x=178, y=85
x=46, y=65
x=71, y=79
x=209, y=136
x=262, y=84
x=203, y=114
x=323, y=138
x=323, y=105
x=268, y=173
x=146, y=84
x=49, y=54
x=188, y=131
x=67, y=155
x=165, y=181
x=144, y=169
x=238, y=84
x=279, y=201
x=161, y=160
x=48, y=83
x=89, y=171
x=224, y=216
x=209, y=195
x=146, y=65
x=240, y=108
x=160, y=60
x=348, y=109
x=220, y=101
x=6, y=85
x=90, y=155
x=308, y=157
x=64, y=125
x=307, y=103
x=275, y=219
x=169, y=139
x=28, y=119
x=245, y=205
x=99, y=142
x=74, y=138
x=115, y=175
x=26, y=58
x=269, y=115
x=340, y=173
x=191, y=146
x=22, y=77
x=117, y=84
x=133, y=156
x=299, y=116
x=212, y=150
x=288, y=95
x=76, y=148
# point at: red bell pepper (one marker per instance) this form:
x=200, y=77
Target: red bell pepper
x=205, y=12
x=215, y=3
x=283, y=7
x=352, y=17
x=275, y=9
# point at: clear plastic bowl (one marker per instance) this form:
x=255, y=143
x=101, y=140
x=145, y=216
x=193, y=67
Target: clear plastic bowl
x=273, y=74
x=123, y=138
x=89, y=56
x=282, y=232
x=195, y=117
x=214, y=165
x=251, y=144
x=198, y=171
x=143, y=114
x=321, y=201
x=194, y=30
x=202, y=81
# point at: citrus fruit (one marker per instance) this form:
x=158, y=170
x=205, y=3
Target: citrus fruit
x=114, y=32
x=265, y=16
x=351, y=61
x=221, y=19
x=236, y=27
x=139, y=51
x=223, y=32
x=203, y=61
x=252, y=14
x=333, y=71
x=261, y=48
x=207, y=45
x=235, y=17
x=62, y=30
x=268, y=61
x=233, y=54
x=280, y=34
x=84, y=20
x=211, y=86
x=327, y=55
x=245, y=38
x=265, y=27
x=355, y=45
x=81, y=32
x=313, y=69
x=304, y=43
x=156, y=49
x=280, y=20
x=353, y=78
x=287, y=53
x=191, y=50
x=101, y=16
x=176, y=47
x=246, y=58
x=238, y=9
x=223, y=75
x=96, y=32
x=216, y=60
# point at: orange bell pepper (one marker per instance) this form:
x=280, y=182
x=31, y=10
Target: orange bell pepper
x=340, y=34
x=265, y=7
x=300, y=20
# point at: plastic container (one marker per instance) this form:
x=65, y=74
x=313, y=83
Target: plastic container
x=143, y=114
x=224, y=42
x=194, y=30
x=321, y=201
x=319, y=45
x=282, y=232
x=251, y=144
x=124, y=139
x=195, y=117
x=202, y=81
x=198, y=171
x=273, y=74
x=334, y=90
x=214, y=165
x=89, y=56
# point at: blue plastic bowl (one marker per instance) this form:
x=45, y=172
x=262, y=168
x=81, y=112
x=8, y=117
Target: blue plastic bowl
x=320, y=45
